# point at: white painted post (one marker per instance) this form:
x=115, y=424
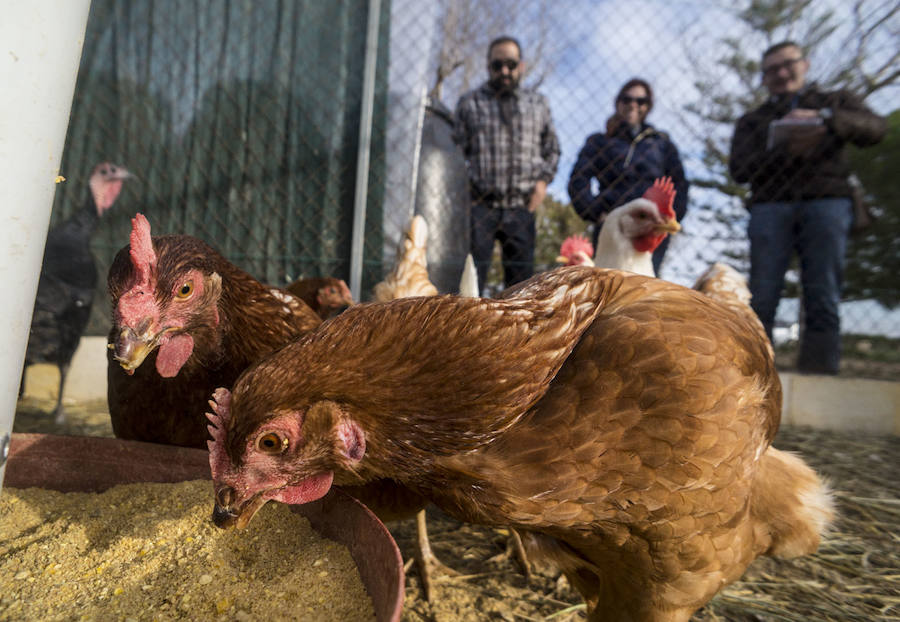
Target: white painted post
x=41, y=49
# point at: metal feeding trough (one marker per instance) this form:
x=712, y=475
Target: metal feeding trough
x=93, y=464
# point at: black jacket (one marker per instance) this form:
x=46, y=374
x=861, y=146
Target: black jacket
x=776, y=175
x=625, y=166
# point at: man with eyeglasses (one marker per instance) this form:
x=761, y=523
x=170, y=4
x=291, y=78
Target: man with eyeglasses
x=511, y=149
x=791, y=150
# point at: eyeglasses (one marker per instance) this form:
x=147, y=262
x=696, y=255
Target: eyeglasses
x=499, y=64
x=772, y=70
x=640, y=101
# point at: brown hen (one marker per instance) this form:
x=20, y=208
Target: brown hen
x=621, y=424
x=325, y=295
x=198, y=320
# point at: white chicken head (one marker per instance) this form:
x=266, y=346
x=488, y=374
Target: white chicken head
x=576, y=250
x=646, y=221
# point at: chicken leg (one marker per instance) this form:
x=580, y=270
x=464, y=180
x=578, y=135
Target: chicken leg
x=431, y=569
x=59, y=413
x=514, y=548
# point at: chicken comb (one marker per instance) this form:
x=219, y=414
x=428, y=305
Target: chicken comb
x=221, y=406
x=662, y=192
x=575, y=243
x=143, y=257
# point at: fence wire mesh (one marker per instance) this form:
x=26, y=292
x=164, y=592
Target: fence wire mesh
x=241, y=122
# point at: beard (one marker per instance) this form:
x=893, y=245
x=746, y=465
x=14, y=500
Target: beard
x=504, y=84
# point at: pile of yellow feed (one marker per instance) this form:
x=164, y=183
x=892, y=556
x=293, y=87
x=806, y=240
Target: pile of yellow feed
x=150, y=552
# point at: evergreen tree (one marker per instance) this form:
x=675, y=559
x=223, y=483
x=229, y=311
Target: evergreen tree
x=873, y=259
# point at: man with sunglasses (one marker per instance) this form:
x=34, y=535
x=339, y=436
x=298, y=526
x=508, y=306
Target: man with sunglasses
x=511, y=149
x=791, y=150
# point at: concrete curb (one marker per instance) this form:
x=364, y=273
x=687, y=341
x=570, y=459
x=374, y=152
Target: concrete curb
x=820, y=401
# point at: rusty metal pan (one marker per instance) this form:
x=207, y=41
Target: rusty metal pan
x=93, y=464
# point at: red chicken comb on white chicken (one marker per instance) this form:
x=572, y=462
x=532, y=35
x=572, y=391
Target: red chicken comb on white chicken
x=576, y=250
x=662, y=192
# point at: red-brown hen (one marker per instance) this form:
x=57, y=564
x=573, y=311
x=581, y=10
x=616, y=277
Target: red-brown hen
x=185, y=321
x=325, y=295
x=621, y=424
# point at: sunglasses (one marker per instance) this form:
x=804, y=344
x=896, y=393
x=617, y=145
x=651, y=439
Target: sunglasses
x=772, y=70
x=498, y=65
x=640, y=101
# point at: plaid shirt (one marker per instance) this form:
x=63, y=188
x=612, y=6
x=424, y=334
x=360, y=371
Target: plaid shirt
x=506, y=159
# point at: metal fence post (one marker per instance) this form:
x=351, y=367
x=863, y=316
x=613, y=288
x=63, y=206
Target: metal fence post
x=365, y=141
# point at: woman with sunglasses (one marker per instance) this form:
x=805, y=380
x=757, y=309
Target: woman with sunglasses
x=625, y=160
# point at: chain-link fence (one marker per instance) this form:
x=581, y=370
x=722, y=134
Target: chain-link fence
x=246, y=124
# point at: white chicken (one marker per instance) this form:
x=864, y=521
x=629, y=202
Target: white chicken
x=631, y=232
x=576, y=250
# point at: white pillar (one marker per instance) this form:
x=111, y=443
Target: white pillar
x=41, y=50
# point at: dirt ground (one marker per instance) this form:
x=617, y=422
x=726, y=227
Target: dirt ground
x=854, y=576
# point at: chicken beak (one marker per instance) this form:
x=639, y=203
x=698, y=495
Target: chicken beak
x=225, y=515
x=562, y=259
x=669, y=226
x=130, y=348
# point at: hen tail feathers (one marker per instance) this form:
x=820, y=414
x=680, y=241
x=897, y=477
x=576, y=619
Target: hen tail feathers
x=723, y=283
x=792, y=506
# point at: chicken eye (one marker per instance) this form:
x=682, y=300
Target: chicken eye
x=186, y=289
x=271, y=443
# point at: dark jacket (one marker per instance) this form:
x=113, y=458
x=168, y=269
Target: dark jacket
x=776, y=175
x=625, y=167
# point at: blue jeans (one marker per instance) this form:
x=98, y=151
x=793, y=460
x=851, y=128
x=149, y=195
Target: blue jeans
x=817, y=230
x=515, y=228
